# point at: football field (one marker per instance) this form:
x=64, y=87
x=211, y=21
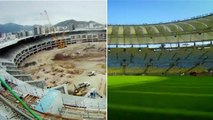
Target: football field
x=160, y=98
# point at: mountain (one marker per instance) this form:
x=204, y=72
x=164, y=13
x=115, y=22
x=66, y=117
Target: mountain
x=77, y=24
x=12, y=27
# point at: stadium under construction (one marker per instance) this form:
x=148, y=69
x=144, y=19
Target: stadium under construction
x=25, y=98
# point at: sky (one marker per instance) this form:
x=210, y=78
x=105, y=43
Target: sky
x=155, y=11
x=29, y=12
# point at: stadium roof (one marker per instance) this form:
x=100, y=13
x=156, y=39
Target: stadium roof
x=194, y=29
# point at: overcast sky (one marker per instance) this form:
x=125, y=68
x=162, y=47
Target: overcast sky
x=28, y=12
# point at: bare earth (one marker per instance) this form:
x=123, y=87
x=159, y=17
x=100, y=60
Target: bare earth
x=70, y=66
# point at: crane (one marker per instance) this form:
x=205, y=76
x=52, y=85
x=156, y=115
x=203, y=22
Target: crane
x=59, y=42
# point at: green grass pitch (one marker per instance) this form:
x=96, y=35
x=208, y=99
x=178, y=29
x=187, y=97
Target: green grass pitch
x=160, y=98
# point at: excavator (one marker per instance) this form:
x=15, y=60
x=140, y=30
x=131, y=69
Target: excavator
x=81, y=89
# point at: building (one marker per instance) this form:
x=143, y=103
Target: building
x=42, y=29
x=91, y=25
x=36, y=29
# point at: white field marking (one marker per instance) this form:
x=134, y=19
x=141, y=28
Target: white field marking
x=165, y=93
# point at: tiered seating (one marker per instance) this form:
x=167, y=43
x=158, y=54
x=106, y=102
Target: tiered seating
x=161, y=61
x=11, y=68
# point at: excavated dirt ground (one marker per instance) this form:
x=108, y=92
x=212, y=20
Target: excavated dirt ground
x=70, y=66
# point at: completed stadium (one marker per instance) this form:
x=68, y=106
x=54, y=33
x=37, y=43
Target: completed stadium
x=161, y=71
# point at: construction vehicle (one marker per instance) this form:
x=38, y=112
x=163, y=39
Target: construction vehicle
x=93, y=94
x=84, y=84
x=92, y=73
x=81, y=89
